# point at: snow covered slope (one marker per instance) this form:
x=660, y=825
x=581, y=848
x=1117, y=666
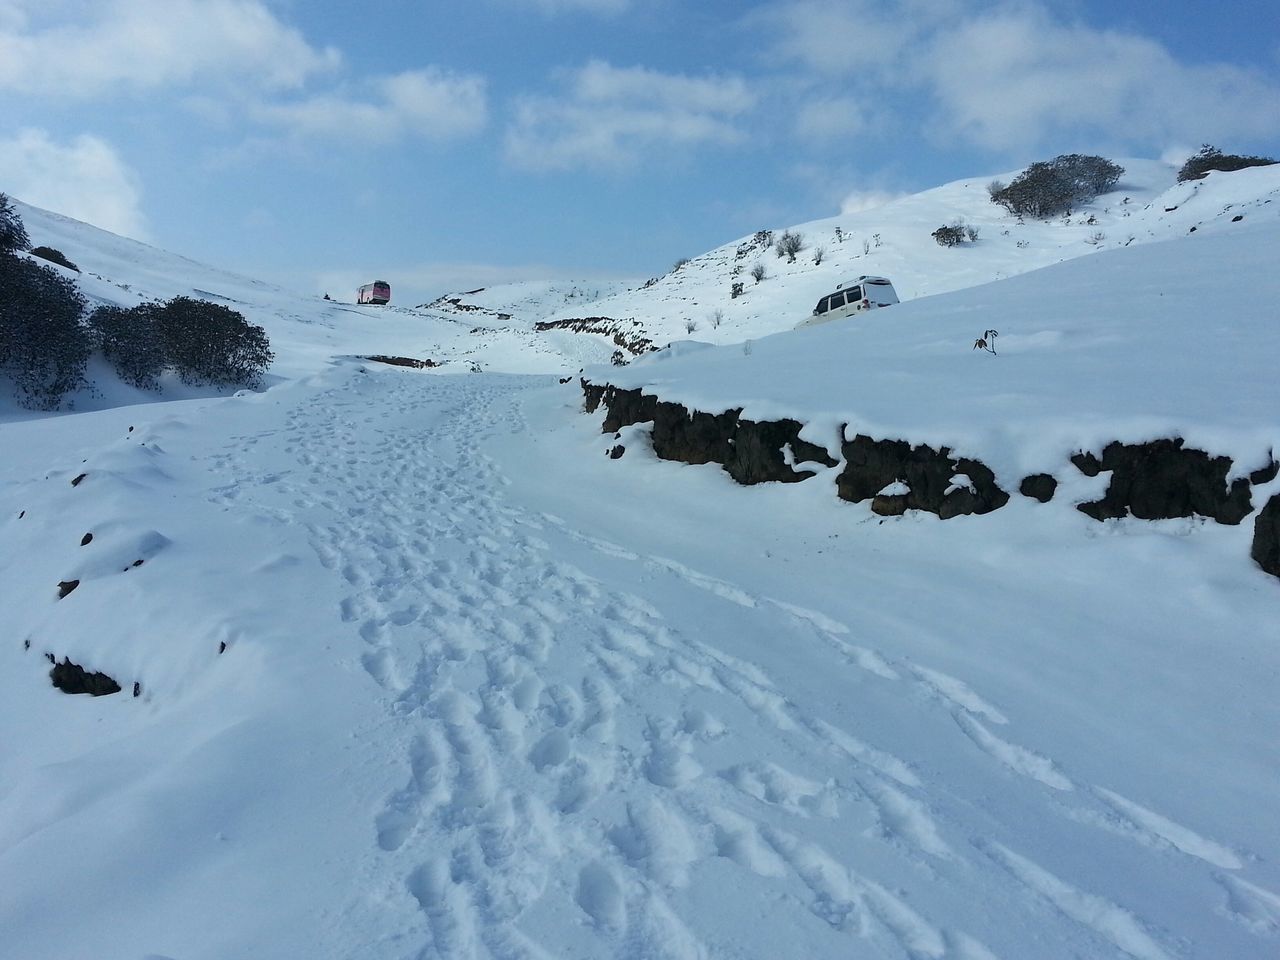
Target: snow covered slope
x=524, y=303
x=422, y=673
x=1174, y=339
x=895, y=241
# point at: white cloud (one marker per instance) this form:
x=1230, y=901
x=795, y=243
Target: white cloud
x=613, y=117
x=830, y=119
x=84, y=179
x=139, y=45
x=1016, y=78
x=834, y=38
x=427, y=103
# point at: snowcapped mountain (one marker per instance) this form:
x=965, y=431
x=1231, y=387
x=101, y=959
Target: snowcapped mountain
x=408, y=665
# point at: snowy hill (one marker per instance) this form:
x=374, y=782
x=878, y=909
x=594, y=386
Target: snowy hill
x=895, y=241
x=523, y=303
x=409, y=667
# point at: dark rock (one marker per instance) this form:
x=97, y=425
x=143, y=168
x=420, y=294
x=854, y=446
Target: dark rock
x=756, y=453
x=222, y=647
x=871, y=465
x=72, y=678
x=26, y=644
x=626, y=407
x=76, y=481
x=137, y=689
x=1162, y=480
x=402, y=361
x=66, y=586
x=1237, y=218
x=617, y=451
x=692, y=437
x=750, y=451
x=1265, y=474
x=22, y=514
x=1038, y=486
x=1087, y=463
x=137, y=563
x=592, y=394
x=1266, y=537
x=889, y=504
x=86, y=539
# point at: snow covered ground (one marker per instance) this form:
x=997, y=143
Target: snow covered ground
x=422, y=673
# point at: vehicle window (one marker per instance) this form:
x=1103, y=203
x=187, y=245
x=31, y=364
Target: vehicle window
x=855, y=294
x=823, y=305
x=837, y=301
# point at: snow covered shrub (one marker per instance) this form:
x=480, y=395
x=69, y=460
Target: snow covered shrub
x=679, y=263
x=690, y=326
x=758, y=272
x=735, y=291
x=130, y=340
x=788, y=245
x=212, y=344
x=54, y=256
x=971, y=232
x=43, y=344
x=13, y=235
x=1089, y=175
x=951, y=235
x=1054, y=188
x=818, y=254
x=1211, y=158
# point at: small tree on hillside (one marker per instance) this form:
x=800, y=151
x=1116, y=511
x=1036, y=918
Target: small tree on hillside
x=1056, y=187
x=951, y=235
x=212, y=344
x=43, y=345
x=1210, y=158
x=54, y=256
x=130, y=340
x=789, y=244
x=13, y=235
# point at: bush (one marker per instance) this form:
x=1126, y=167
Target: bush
x=129, y=339
x=1210, y=158
x=758, y=272
x=13, y=235
x=54, y=256
x=735, y=291
x=818, y=255
x=1053, y=188
x=949, y=236
x=207, y=343
x=43, y=344
x=679, y=263
x=788, y=245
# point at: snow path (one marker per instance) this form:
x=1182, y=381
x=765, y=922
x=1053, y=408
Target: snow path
x=586, y=769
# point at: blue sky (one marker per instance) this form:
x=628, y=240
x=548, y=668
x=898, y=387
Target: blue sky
x=448, y=145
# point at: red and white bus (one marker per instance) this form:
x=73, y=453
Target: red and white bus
x=377, y=292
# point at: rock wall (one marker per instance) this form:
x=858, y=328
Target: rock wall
x=1155, y=480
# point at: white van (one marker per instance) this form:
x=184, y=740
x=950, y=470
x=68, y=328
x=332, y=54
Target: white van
x=865, y=293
